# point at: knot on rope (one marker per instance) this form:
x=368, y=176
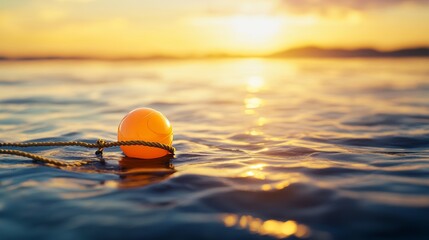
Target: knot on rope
x=101, y=144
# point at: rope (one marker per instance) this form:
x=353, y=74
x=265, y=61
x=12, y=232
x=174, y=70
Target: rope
x=100, y=144
x=43, y=159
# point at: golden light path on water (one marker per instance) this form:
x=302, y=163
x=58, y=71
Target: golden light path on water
x=270, y=227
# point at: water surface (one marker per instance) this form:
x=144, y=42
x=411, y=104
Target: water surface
x=266, y=149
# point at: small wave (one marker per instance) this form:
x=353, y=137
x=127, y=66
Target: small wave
x=389, y=120
x=47, y=101
x=289, y=151
x=389, y=141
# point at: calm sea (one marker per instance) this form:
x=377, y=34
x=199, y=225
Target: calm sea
x=266, y=149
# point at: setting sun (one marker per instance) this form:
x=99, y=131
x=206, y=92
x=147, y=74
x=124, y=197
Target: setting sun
x=251, y=30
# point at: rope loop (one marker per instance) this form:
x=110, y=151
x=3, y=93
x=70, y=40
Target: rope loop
x=100, y=144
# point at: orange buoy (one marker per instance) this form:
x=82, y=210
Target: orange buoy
x=148, y=125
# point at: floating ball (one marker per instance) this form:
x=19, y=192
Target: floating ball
x=148, y=125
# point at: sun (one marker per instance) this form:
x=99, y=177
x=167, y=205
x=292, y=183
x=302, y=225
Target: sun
x=253, y=30
x=242, y=34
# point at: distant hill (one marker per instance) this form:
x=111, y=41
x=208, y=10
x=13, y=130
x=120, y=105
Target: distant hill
x=312, y=52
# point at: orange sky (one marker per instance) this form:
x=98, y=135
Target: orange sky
x=251, y=27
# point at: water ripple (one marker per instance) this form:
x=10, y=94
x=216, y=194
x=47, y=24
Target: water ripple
x=266, y=149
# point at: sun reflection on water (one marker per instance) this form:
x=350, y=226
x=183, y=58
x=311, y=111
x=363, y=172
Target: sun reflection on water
x=254, y=174
x=255, y=132
x=252, y=102
x=261, y=121
x=255, y=84
x=255, y=171
x=270, y=227
x=278, y=186
x=259, y=166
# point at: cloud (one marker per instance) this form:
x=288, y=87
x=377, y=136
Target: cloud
x=338, y=6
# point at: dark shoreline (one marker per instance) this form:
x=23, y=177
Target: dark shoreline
x=304, y=52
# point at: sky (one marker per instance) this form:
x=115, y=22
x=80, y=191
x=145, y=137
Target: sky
x=132, y=28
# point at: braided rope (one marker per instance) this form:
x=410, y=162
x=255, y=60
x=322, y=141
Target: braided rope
x=43, y=159
x=100, y=144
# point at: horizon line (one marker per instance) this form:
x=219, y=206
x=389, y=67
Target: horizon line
x=309, y=51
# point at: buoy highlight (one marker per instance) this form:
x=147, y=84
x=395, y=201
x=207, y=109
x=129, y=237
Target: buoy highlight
x=145, y=124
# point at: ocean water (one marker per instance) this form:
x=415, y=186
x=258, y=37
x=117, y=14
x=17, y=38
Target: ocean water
x=266, y=149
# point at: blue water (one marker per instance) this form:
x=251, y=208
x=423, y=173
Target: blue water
x=266, y=149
